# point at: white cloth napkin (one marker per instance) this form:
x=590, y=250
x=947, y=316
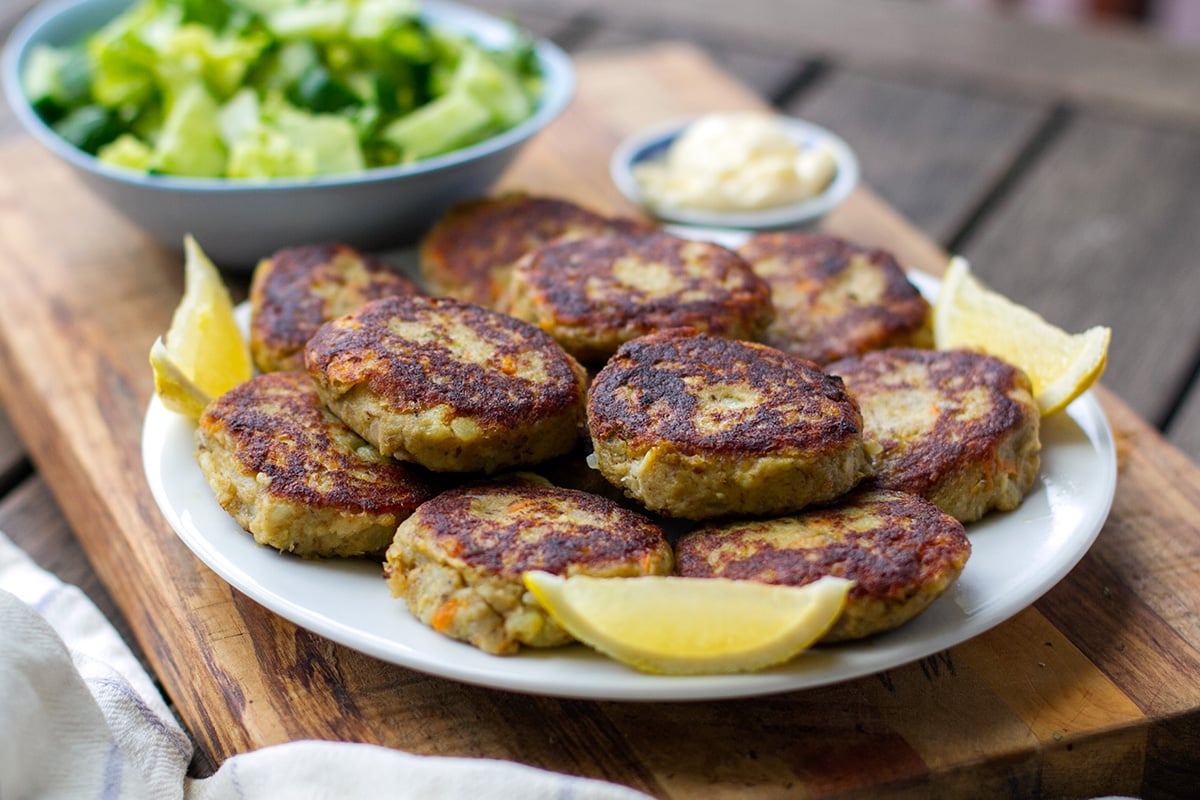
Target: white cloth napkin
x=79, y=718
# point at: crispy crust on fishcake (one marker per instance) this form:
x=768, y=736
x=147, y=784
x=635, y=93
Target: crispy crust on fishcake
x=458, y=561
x=958, y=428
x=902, y=552
x=834, y=299
x=298, y=289
x=596, y=293
x=698, y=426
x=449, y=385
x=468, y=253
x=296, y=477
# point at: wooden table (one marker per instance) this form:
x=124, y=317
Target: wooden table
x=1076, y=196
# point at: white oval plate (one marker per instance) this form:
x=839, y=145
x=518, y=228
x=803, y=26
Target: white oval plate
x=1016, y=557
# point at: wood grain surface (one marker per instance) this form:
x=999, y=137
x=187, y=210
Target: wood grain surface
x=1116, y=246
x=12, y=455
x=1110, y=67
x=1094, y=690
x=933, y=148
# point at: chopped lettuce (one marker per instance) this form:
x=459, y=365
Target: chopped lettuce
x=332, y=139
x=262, y=89
x=239, y=117
x=439, y=126
x=263, y=153
x=496, y=89
x=190, y=141
x=127, y=151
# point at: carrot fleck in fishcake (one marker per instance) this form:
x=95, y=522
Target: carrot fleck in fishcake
x=834, y=299
x=298, y=289
x=449, y=385
x=458, y=561
x=468, y=253
x=294, y=476
x=902, y=553
x=958, y=428
x=698, y=426
x=594, y=294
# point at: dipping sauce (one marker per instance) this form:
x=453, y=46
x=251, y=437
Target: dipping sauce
x=742, y=161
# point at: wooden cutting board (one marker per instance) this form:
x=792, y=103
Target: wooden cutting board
x=1094, y=690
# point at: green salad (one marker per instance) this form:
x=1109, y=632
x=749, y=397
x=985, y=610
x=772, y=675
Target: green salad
x=261, y=89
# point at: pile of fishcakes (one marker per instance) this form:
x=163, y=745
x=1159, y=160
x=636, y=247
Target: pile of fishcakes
x=573, y=386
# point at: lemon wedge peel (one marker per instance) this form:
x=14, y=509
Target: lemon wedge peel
x=1060, y=365
x=691, y=626
x=203, y=354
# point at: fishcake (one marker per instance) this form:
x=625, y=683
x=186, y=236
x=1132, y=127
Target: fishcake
x=596, y=293
x=299, y=289
x=458, y=560
x=958, y=428
x=698, y=426
x=834, y=299
x=449, y=385
x=902, y=552
x=294, y=476
x=468, y=253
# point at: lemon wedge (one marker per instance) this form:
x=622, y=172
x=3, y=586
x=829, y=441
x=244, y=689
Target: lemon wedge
x=203, y=354
x=690, y=626
x=1061, y=365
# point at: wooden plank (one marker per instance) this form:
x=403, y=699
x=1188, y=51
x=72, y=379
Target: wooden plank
x=1104, y=230
x=1184, y=430
x=85, y=295
x=767, y=71
x=10, y=13
x=932, y=148
x=1105, y=66
x=12, y=454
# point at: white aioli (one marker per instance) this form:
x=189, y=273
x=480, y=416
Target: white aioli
x=736, y=162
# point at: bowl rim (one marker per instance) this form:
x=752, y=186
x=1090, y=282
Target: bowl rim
x=557, y=92
x=641, y=145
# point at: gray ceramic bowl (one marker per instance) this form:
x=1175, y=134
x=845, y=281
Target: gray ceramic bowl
x=239, y=222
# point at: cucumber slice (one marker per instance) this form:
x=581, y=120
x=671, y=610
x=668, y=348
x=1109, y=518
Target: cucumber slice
x=127, y=151
x=263, y=154
x=190, y=143
x=333, y=140
x=439, y=126
x=496, y=88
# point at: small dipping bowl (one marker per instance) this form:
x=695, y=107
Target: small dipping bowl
x=653, y=144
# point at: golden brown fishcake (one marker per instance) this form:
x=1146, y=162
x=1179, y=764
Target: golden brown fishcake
x=458, y=561
x=449, y=385
x=955, y=427
x=900, y=551
x=298, y=289
x=698, y=426
x=468, y=253
x=834, y=299
x=596, y=293
x=294, y=476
